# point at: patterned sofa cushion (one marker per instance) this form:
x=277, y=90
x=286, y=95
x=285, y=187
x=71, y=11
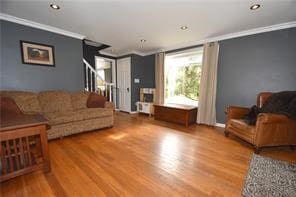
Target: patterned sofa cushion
x=90, y=113
x=55, y=101
x=26, y=101
x=56, y=118
x=109, y=105
x=79, y=100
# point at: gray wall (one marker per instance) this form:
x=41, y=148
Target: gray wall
x=142, y=67
x=68, y=73
x=252, y=64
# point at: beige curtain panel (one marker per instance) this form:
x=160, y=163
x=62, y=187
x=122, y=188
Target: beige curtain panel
x=208, y=84
x=159, y=78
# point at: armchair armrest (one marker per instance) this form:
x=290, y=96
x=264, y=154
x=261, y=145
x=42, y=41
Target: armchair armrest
x=109, y=105
x=274, y=130
x=272, y=118
x=236, y=112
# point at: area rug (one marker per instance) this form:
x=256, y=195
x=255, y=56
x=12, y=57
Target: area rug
x=269, y=177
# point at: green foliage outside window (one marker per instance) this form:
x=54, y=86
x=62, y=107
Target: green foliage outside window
x=187, y=81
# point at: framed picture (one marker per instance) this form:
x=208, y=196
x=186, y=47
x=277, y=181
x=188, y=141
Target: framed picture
x=37, y=54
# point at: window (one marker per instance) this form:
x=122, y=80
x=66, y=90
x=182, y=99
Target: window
x=182, y=76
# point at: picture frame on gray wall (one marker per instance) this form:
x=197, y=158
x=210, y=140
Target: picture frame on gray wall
x=37, y=54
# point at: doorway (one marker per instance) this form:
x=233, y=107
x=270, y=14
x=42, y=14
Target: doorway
x=106, y=78
x=124, y=84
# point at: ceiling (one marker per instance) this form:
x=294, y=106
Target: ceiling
x=123, y=23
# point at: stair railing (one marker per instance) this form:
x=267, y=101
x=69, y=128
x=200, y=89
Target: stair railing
x=91, y=79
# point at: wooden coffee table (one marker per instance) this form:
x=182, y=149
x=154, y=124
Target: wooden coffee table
x=177, y=113
x=23, y=146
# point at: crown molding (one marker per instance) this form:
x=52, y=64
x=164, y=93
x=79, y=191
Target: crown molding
x=199, y=42
x=107, y=53
x=29, y=23
x=227, y=36
x=131, y=52
x=256, y=31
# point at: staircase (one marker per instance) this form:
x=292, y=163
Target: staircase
x=90, y=82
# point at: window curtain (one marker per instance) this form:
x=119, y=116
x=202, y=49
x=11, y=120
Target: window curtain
x=159, y=78
x=208, y=84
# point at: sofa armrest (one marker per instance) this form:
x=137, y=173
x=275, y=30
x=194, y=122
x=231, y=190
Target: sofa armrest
x=272, y=118
x=236, y=112
x=109, y=105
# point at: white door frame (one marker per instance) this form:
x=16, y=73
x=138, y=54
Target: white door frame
x=114, y=77
x=129, y=83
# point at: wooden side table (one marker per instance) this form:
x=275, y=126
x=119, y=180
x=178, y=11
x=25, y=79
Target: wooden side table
x=23, y=146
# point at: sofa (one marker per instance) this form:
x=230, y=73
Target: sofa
x=66, y=112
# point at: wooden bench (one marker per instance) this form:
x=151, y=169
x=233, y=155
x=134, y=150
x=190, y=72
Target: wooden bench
x=176, y=113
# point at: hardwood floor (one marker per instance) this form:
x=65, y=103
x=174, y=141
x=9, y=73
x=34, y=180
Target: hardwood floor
x=143, y=157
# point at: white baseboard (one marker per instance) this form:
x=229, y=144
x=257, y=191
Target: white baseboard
x=220, y=125
x=134, y=112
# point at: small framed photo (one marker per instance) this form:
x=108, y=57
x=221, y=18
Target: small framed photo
x=37, y=54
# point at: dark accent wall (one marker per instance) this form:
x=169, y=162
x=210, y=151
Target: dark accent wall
x=142, y=67
x=66, y=75
x=252, y=64
x=89, y=53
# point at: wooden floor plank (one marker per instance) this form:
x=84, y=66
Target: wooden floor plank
x=143, y=157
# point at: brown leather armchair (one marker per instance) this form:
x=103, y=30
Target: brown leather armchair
x=270, y=129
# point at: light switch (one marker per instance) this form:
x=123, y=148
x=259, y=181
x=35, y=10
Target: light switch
x=137, y=80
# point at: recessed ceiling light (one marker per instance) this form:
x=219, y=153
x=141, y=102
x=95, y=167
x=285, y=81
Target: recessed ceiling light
x=55, y=6
x=142, y=40
x=255, y=7
x=183, y=27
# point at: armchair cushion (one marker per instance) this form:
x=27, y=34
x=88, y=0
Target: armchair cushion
x=240, y=128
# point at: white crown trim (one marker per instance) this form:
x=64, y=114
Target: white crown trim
x=107, y=53
x=224, y=37
x=29, y=23
x=136, y=52
x=199, y=42
x=131, y=52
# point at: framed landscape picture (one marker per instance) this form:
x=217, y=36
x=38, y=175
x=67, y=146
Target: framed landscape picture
x=38, y=54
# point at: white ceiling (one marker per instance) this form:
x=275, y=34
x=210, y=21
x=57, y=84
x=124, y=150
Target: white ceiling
x=123, y=23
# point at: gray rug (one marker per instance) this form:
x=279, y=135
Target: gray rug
x=269, y=177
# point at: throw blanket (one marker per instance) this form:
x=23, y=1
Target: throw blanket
x=280, y=103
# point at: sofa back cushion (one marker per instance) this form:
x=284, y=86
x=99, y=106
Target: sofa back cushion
x=55, y=101
x=79, y=100
x=26, y=101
